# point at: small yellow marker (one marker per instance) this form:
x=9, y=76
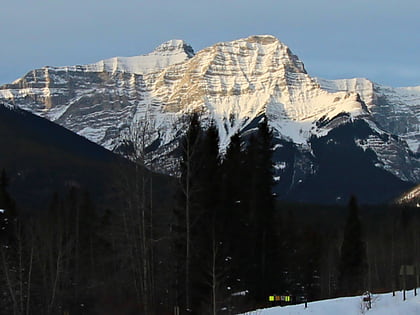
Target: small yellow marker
x=271, y=298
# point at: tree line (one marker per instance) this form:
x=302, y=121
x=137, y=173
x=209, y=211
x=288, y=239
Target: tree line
x=220, y=243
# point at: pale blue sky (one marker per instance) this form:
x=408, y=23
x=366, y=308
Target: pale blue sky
x=377, y=39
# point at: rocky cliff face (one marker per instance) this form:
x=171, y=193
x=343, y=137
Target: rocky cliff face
x=232, y=83
x=395, y=110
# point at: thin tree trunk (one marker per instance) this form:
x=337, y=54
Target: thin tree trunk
x=214, y=276
x=188, y=243
x=8, y=280
x=56, y=280
x=369, y=277
x=145, y=274
x=263, y=258
x=28, y=289
x=151, y=249
x=393, y=260
x=20, y=253
x=77, y=253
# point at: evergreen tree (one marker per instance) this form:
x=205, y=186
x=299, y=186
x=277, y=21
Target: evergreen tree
x=236, y=236
x=187, y=212
x=209, y=260
x=207, y=178
x=8, y=249
x=353, y=265
x=233, y=175
x=260, y=208
x=8, y=214
x=207, y=183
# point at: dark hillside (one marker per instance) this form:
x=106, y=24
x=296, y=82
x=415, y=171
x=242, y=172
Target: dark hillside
x=345, y=169
x=41, y=158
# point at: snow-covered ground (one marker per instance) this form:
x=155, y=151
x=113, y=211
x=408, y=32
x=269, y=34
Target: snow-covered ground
x=382, y=304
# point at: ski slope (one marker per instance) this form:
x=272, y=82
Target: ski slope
x=382, y=304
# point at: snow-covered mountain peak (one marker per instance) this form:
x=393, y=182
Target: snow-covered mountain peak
x=166, y=54
x=235, y=82
x=174, y=47
x=266, y=44
x=169, y=53
x=232, y=83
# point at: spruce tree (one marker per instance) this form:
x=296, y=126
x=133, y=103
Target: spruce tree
x=209, y=263
x=186, y=212
x=7, y=209
x=260, y=207
x=353, y=265
x=208, y=175
x=8, y=249
x=233, y=174
x=236, y=234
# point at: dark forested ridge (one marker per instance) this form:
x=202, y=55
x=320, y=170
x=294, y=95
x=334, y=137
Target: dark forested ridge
x=344, y=168
x=214, y=241
x=41, y=158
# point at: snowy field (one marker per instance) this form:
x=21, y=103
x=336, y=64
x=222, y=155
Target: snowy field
x=382, y=304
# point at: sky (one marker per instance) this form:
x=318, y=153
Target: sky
x=375, y=39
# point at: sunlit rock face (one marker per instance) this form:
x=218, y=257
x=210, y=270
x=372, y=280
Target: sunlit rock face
x=395, y=110
x=232, y=83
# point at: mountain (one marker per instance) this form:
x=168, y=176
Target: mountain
x=396, y=111
x=42, y=158
x=236, y=84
